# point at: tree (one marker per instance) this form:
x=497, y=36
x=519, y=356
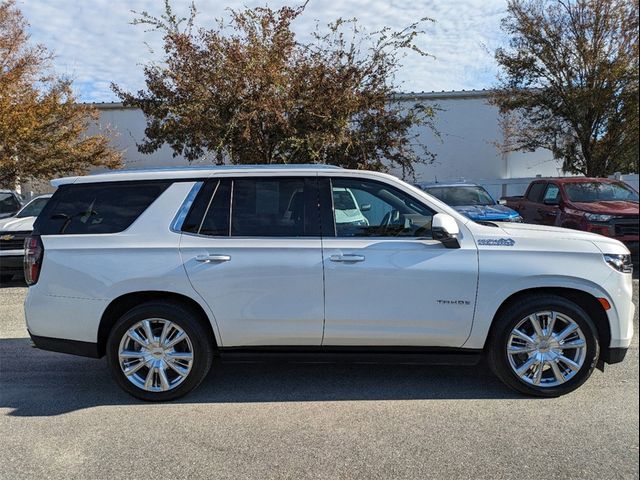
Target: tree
x=250, y=92
x=42, y=127
x=570, y=82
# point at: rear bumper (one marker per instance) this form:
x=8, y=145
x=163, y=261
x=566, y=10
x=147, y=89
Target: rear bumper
x=61, y=345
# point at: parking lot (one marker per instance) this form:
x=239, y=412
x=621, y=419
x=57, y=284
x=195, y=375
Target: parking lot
x=64, y=417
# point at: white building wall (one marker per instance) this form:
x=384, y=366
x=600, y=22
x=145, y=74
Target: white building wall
x=466, y=148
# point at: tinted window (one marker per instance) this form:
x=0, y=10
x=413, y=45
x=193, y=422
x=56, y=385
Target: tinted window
x=274, y=207
x=216, y=220
x=201, y=204
x=97, y=207
x=8, y=203
x=535, y=191
x=552, y=194
x=377, y=210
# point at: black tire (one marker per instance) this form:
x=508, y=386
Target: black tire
x=187, y=320
x=509, y=319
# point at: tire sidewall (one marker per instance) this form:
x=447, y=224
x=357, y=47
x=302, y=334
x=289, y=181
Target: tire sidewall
x=185, y=319
x=500, y=359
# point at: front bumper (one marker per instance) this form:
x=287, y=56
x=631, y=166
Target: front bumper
x=13, y=262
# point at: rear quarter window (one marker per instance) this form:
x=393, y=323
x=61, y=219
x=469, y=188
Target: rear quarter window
x=97, y=207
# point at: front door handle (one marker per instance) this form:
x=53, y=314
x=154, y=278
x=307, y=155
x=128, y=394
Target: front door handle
x=213, y=257
x=347, y=258
x=547, y=213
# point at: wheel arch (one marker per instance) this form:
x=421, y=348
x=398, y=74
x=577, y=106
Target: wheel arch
x=122, y=304
x=586, y=300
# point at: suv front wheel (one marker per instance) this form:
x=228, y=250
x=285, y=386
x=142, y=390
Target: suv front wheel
x=159, y=351
x=544, y=346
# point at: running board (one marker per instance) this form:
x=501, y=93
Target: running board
x=376, y=355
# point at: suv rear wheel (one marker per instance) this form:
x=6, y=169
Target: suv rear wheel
x=159, y=351
x=544, y=346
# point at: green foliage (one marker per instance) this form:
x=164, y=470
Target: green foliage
x=248, y=91
x=42, y=127
x=570, y=82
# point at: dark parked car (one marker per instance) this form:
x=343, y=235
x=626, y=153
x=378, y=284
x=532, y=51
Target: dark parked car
x=10, y=203
x=13, y=232
x=599, y=205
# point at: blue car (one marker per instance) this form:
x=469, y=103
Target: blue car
x=472, y=201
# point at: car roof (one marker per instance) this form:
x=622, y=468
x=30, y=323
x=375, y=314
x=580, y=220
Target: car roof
x=577, y=180
x=174, y=173
x=461, y=184
x=44, y=195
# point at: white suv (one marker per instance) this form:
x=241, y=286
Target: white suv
x=165, y=270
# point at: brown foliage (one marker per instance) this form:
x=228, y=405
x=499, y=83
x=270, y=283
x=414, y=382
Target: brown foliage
x=570, y=82
x=41, y=125
x=250, y=92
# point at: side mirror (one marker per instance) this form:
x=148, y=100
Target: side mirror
x=445, y=228
x=365, y=207
x=502, y=201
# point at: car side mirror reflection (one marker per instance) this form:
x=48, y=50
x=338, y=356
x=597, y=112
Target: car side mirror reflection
x=445, y=229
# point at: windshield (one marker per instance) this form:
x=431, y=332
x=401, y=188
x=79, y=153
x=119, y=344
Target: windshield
x=598, y=192
x=33, y=208
x=461, y=195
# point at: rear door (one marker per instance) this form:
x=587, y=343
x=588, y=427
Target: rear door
x=252, y=250
x=387, y=282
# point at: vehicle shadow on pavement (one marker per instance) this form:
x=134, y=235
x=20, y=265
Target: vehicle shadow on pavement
x=38, y=383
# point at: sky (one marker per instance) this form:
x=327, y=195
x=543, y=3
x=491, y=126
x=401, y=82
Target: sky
x=94, y=42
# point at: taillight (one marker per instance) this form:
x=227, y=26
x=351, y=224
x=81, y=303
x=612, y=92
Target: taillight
x=33, y=253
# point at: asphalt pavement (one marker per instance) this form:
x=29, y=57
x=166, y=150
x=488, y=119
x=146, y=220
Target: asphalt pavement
x=64, y=417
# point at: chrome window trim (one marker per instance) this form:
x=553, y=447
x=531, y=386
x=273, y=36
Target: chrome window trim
x=178, y=220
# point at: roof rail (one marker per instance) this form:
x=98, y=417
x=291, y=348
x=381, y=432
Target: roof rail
x=223, y=167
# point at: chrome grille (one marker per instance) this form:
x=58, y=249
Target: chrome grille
x=625, y=226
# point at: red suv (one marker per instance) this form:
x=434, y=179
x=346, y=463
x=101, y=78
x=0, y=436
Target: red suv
x=599, y=205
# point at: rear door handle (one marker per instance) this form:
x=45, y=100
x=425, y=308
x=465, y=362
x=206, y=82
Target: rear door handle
x=347, y=258
x=213, y=257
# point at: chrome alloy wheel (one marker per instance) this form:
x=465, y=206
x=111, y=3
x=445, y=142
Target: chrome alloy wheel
x=546, y=349
x=155, y=355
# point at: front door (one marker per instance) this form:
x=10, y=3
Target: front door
x=252, y=250
x=549, y=209
x=387, y=282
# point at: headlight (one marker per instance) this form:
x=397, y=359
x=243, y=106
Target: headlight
x=597, y=217
x=621, y=263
